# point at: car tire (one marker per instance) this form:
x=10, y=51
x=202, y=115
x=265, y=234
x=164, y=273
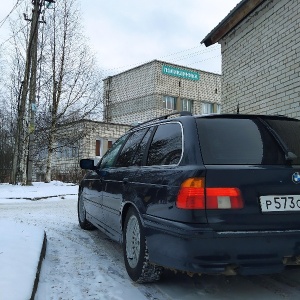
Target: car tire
x=83, y=222
x=135, y=251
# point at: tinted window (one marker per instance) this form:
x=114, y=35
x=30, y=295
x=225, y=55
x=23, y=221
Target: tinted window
x=129, y=149
x=110, y=157
x=166, y=145
x=237, y=141
x=138, y=158
x=289, y=132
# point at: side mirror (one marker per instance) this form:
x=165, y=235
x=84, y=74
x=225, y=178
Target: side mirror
x=87, y=164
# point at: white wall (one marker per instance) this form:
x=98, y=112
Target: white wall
x=261, y=61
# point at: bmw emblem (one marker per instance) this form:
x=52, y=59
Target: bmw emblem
x=296, y=177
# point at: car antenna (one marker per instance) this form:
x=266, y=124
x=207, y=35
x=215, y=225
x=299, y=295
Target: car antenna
x=238, y=108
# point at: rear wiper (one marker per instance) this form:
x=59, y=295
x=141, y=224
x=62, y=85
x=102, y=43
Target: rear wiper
x=288, y=154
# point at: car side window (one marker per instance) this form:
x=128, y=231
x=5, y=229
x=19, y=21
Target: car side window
x=140, y=152
x=129, y=149
x=110, y=156
x=166, y=145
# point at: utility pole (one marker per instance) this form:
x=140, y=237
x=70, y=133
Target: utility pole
x=22, y=161
x=19, y=161
x=32, y=89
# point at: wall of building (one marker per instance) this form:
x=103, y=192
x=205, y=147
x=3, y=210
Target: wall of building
x=79, y=141
x=261, y=61
x=137, y=94
x=130, y=92
x=99, y=130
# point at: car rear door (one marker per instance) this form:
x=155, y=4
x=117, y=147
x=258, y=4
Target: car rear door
x=117, y=183
x=169, y=159
x=244, y=153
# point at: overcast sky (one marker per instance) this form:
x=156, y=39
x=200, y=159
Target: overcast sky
x=127, y=33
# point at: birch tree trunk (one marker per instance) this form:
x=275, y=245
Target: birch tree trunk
x=76, y=84
x=50, y=155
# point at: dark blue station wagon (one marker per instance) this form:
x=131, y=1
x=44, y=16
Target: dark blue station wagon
x=217, y=194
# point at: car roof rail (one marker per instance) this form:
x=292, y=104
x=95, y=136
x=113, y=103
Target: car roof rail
x=180, y=113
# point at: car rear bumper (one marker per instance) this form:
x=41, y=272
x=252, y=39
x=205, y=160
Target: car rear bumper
x=192, y=248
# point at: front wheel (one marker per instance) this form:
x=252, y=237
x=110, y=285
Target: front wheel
x=135, y=251
x=83, y=222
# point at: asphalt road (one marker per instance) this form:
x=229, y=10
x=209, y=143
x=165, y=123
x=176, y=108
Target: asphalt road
x=83, y=264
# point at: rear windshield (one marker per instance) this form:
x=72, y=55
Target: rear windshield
x=289, y=132
x=239, y=141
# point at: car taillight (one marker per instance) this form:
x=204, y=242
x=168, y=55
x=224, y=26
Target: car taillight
x=191, y=194
x=194, y=195
x=223, y=198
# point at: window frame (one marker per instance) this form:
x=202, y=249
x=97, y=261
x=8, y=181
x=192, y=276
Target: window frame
x=169, y=99
x=145, y=163
x=213, y=150
x=189, y=103
x=211, y=105
x=125, y=146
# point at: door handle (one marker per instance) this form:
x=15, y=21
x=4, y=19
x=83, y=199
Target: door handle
x=125, y=180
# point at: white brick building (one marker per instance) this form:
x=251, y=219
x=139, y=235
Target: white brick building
x=260, y=42
x=74, y=141
x=158, y=88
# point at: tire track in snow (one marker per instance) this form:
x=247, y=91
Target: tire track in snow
x=98, y=265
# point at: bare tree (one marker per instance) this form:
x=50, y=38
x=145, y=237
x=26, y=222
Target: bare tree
x=6, y=143
x=12, y=76
x=68, y=81
x=72, y=85
x=19, y=62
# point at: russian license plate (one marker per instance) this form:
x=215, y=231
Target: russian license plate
x=280, y=203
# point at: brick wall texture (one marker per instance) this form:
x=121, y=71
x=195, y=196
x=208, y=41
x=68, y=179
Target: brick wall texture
x=136, y=95
x=261, y=61
x=81, y=135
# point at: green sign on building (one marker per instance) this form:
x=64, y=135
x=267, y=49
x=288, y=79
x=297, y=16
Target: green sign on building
x=181, y=73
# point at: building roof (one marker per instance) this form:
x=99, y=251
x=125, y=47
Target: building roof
x=237, y=15
x=161, y=62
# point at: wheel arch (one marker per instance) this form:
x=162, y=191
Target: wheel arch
x=125, y=210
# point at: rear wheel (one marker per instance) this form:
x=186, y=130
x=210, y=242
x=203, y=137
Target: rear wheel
x=83, y=222
x=136, y=252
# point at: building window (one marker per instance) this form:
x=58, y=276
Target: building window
x=210, y=108
x=186, y=105
x=109, y=144
x=98, y=148
x=102, y=145
x=169, y=102
x=64, y=150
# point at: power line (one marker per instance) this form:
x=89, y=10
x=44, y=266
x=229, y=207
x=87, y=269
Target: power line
x=185, y=51
x=162, y=57
x=12, y=36
x=15, y=6
x=199, y=61
x=193, y=54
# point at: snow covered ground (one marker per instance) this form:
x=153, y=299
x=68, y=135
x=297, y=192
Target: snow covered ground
x=20, y=243
x=20, y=249
x=83, y=265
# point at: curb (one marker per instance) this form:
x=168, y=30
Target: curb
x=40, y=198
x=37, y=277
